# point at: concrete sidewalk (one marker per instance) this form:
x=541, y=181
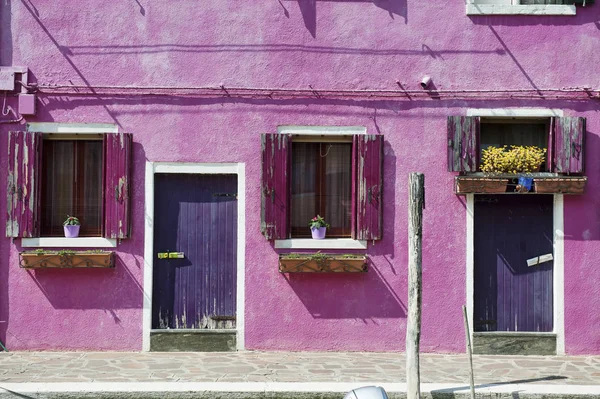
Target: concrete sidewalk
x=287, y=374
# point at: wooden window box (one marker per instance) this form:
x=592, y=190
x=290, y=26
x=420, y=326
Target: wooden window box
x=480, y=185
x=322, y=263
x=66, y=259
x=507, y=184
x=560, y=185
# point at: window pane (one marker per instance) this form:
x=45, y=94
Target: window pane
x=71, y=185
x=304, y=185
x=321, y=184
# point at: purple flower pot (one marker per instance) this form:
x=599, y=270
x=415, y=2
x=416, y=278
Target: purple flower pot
x=71, y=231
x=318, y=233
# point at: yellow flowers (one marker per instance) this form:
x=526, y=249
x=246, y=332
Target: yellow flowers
x=519, y=159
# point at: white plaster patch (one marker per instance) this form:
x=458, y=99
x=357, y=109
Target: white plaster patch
x=587, y=235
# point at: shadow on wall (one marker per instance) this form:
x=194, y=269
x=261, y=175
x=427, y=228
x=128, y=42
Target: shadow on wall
x=386, y=246
x=582, y=212
x=5, y=33
x=347, y=296
x=308, y=8
x=107, y=289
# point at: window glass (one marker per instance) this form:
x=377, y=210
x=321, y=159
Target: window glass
x=71, y=185
x=321, y=185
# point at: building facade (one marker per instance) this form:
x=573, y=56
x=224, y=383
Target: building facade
x=196, y=141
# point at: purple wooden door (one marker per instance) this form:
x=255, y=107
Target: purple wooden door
x=196, y=215
x=509, y=294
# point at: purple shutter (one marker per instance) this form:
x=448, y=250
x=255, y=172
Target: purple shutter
x=569, y=145
x=117, y=183
x=23, y=196
x=369, y=187
x=275, y=192
x=463, y=143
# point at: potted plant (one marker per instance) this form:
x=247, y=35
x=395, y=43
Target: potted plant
x=71, y=226
x=322, y=263
x=497, y=162
x=318, y=227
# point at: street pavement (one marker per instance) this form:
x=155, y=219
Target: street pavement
x=36, y=374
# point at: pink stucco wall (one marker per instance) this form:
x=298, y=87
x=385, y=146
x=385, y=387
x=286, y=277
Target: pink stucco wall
x=291, y=44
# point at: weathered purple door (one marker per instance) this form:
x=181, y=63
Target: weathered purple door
x=195, y=215
x=509, y=294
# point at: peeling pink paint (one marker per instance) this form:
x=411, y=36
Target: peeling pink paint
x=331, y=44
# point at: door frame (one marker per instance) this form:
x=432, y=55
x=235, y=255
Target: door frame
x=152, y=168
x=558, y=271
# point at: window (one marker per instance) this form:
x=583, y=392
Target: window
x=321, y=185
x=564, y=139
x=51, y=176
x=339, y=179
x=524, y=7
x=71, y=185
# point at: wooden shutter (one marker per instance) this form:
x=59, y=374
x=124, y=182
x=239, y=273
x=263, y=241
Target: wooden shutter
x=368, y=190
x=117, y=183
x=569, y=145
x=463, y=143
x=275, y=190
x=24, y=163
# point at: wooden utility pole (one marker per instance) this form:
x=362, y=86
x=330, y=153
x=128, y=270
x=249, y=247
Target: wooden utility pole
x=415, y=283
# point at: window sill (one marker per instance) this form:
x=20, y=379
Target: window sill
x=502, y=9
x=62, y=242
x=329, y=243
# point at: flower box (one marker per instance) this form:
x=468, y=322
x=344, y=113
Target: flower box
x=322, y=263
x=560, y=185
x=480, y=185
x=66, y=259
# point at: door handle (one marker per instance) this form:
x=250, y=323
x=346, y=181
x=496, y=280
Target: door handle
x=171, y=255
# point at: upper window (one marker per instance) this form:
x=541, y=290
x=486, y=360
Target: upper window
x=51, y=176
x=524, y=7
x=563, y=138
x=339, y=179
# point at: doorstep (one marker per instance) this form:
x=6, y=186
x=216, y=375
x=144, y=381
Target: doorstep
x=514, y=343
x=191, y=340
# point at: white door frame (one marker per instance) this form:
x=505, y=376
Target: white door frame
x=152, y=168
x=558, y=225
x=558, y=299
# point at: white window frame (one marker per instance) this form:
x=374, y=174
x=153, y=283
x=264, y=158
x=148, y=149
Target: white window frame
x=327, y=132
x=62, y=242
x=513, y=7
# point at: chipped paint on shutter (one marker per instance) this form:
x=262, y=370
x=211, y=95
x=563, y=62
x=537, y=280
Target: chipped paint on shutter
x=569, y=145
x=463, y=143
x=117, y=176
x=275, y=190
x=369, y=187
x=24, y=162
x=23, y=184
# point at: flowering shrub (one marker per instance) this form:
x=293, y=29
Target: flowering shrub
x=517, y=159
x=317, y=222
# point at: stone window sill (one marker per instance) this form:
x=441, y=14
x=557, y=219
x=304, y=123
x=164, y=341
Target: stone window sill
x=62, y=242
x=328, y=243
x=502, y=9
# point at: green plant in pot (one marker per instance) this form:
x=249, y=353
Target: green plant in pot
x=71, y=227
x=318, y=227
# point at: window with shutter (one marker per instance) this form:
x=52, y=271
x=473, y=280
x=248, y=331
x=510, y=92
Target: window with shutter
x=54, y=175
x=563, y=138
x=338, y=178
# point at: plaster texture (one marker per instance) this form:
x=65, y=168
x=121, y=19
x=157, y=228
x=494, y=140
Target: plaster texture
x=356, y=44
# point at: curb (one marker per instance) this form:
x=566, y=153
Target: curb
x=282, y=390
